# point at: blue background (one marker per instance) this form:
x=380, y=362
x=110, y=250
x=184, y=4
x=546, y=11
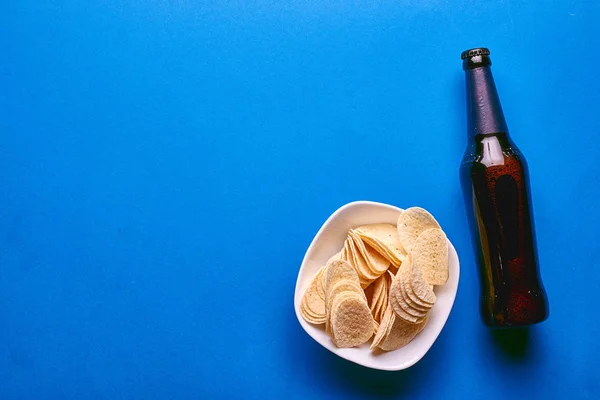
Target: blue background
x=165, y=164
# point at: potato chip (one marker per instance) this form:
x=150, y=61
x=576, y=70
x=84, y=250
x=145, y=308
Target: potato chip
x=335, y=257
x=341, y=295
x=331, y=305
x=379, y=308
x=375, y=327
x=346, y=321
x=309, y=317
x=430, y=254
x=351, y=322
x=398, y=300
x=418, y=289
x=384, y=328
x=376, y=289
x=413, y=298
x=360, y=264
x=400, y=296
x=384, y=239
x=377, y=263
x=411, y=223
x=348, y=256
x=319, y=279
x=393, y=269
x=312, y=306
x=346, y=253
x=422, y=290
x=342, y=286
x=338, y=270
x=384, y=300
x=402, y=333
x=379, y=290
x=369, y=293
x=400, y=312
x=409, y=295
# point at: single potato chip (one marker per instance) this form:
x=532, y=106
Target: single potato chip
x=430, y=254
x=351, y=322
x=411, y=223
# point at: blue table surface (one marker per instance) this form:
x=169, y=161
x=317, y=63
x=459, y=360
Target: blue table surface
x=165, y=165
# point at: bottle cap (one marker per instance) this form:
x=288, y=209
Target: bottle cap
x=480, y=51
x=474, y=58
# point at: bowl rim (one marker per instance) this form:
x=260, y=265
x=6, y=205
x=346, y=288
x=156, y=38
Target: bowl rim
x=402, y=365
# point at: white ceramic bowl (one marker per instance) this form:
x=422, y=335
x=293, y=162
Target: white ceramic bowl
x=328, y=241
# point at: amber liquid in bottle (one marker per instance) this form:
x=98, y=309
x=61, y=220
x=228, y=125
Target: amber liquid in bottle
x=495, y=181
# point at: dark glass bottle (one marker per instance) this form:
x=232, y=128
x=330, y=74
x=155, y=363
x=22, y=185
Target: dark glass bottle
x=495, y=181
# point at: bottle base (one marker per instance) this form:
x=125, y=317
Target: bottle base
x=518, y=325
x=521, y=309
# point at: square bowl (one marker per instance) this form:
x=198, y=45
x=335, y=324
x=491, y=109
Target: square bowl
x=328, y=241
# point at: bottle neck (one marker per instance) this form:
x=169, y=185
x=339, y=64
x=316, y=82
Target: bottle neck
x=484, y=111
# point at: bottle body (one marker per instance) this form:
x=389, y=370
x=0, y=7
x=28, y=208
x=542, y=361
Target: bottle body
x=495, y=181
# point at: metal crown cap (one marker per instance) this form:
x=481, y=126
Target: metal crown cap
x=480, y=51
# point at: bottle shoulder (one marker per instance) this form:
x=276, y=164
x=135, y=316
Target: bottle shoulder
x=492, y=150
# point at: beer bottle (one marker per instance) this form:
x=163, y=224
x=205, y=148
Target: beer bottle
x=495, y=181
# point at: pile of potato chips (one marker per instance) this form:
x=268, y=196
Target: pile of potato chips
x=381, y=283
